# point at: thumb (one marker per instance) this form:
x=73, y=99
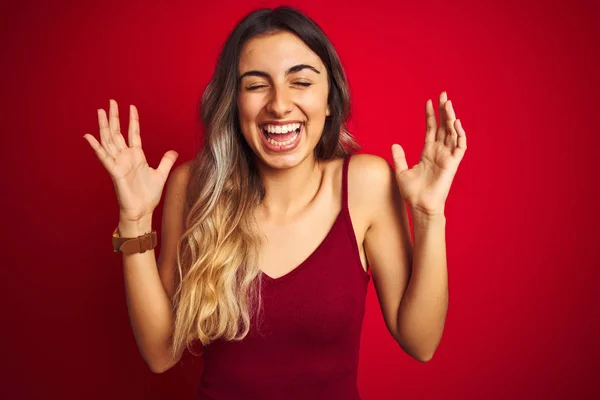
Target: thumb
x=166, y=163
x=399, y=158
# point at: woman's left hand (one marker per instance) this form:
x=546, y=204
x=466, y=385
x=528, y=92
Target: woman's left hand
x=425, y=186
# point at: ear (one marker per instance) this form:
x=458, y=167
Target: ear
x=327, y=112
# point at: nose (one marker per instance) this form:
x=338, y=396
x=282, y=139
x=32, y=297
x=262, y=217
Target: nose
x=280, y=103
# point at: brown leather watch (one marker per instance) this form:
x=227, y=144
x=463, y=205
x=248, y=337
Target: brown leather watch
x=128, y=245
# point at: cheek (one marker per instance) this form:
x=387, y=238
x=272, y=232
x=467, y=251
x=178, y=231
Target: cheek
x=243, y=108
x=245, y=116
x=314, y=103
x=248, y=110
x=315, y=107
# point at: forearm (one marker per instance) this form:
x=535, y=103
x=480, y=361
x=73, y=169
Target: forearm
x=149, y=306
x=422, y=312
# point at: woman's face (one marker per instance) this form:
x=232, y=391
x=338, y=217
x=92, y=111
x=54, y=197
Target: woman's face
x=282, y=99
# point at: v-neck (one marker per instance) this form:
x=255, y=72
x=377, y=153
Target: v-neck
x=312, y=255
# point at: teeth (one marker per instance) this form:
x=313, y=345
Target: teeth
x=281, y=129
x=283, y=143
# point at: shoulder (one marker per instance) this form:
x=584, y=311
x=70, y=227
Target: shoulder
x=178, y=178
x=369, y=169
x=176, y=187
x=371, y=184
x=364, y=169
x=183, y=169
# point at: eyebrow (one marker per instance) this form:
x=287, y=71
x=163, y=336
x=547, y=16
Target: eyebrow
x=292, y=70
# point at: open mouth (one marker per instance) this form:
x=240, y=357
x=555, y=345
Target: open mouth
x=282, y=136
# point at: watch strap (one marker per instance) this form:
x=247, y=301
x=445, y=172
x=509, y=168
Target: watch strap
x=128, y=245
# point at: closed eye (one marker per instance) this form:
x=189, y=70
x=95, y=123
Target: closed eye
x=305, y=84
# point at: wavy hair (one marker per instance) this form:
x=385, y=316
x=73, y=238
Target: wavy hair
x=217, y=254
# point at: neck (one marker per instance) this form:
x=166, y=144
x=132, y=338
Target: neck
x=289, y=191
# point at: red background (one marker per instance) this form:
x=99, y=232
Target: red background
x=522, y=215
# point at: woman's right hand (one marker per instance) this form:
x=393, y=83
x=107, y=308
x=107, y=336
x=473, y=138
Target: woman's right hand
x=139, y=187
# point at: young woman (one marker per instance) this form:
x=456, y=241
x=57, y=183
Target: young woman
x=269, y=234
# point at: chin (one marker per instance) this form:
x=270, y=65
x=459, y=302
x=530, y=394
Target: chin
x=283, y=161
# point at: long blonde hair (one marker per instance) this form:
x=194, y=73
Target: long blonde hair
x=218, y=252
